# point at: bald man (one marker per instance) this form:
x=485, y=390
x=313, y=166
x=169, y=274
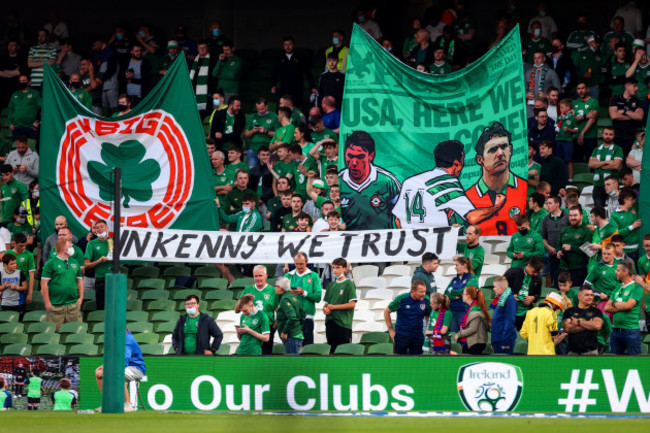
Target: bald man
x=59, y=222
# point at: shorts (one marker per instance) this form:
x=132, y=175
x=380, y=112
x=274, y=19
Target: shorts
x=33, y=400
x=564, y=150
x=132, y=373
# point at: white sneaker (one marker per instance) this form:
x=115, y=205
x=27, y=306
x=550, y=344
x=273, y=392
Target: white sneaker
x=99, y=409
x=128, y=407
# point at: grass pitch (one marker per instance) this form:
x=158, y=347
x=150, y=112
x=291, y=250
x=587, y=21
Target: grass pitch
x=40, y=421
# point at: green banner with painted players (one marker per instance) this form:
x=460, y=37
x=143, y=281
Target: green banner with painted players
x=421, y=150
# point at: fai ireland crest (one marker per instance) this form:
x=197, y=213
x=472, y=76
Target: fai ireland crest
x=156, y=161
x=490, y=386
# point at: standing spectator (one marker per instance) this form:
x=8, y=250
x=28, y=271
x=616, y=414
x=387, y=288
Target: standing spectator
x=553, y=96
x=78, y=256
x=605, y=160
x=626, y=218
x=547, y=22
x=173, y=49
x=228, y=70
x=612, y=191
x=582, y=322
x=200, y=76
x=465, y=277
x=368, y=24
x=589, y=66
x=188, y=45
x=331, y=82
x=13, y=193
x=440, y=65
x=38, y=56
x=106, y=66
x=602, y=276
x=537, y=212
x=62, y=286
x=640, y=68
x=425, y=273
x=260, y=128
x=150, y=46
x=138, y=75
x=539, y=79
x=222, y=177
x=305, y=284
x=455, y=50
x=68, y=59
x=526, y=286
x=331, y=116
x=436, y=338
x=412, y=309
x=12, y=64
x=289, y=72
x=525, y=243
x=296, y=116
x=568, y=128
x=534, y=168
x=504, y=331
x=340, y=300
x=234, y=199
x=540, y=327
x=253, y=330
x=536, y=42
x=91, y=84
x=562, y=65
x=409, y=42
x=578, y=39
x=603, y=230
x=552, y=226
x=59, y=222
x=121, y=42
x=631, y=15
x=542, y=130
x=625, y=305
x=616, y=69
x=261, y=179
x=23, y=110
x=634, y=159
x=626, y=113
x=5, y=396
x=217, y=39
x=472, y=249
x=554, y=170
x=266, y=300
x=24, y=162
x=81, y=94
x=97, y=257
x=290, y=317
x=473, y=333
x=338, y=49
x=194, y=330
x=228, y=125
x=586, y=114
x=13, y=286
x=572, y=258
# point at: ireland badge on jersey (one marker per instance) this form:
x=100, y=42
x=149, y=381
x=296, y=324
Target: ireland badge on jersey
x=490, y=386
x=159, y=145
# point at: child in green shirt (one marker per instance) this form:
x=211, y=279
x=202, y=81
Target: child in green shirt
x=568, y=125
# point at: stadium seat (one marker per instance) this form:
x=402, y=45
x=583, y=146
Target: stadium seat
x=397, y=270
x=370, y=283
x=399, y=282
x=364, y=271
x=180, y=295
x=95, y=316
x=155, y=295
x=79, y=339
x=580, y=167
x=316, y=349
x=74, y=328
x=45, y=338
x=14, y=339
x=521, y=347
x=37, y=328
x=369, y=326
x=350, y=349
x=98, y=328
x=88, y=306
x=380, y=349
x=493, y=270
x=146, y=338
x=164, y=327
x=241, y=283
x=176, y=271
x=137, y=316
x=222, y=305
x=278, y=349
x=131, y=295
x=489, y=282
x=140, y=327
x=17, y=349
x=151, y=284
x=83, y=350
x=9, y=316
x=36, y=306
x=379, y=294
x=217, y=295
x=164, y=316
x=370, y=338
x=152, y=349
x=53, y=349
x=604, y=121
x=34, y=316
x=224, y=350
x=134, y=304
x=583, y=179
x=144, y=272
x=228, y=317
x=161, y=305
x=206, y=272
x=213, y=283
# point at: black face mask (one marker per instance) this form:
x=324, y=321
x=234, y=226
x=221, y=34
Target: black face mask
x=23, y=86
x=523, y=232
x=122, y=107
x=75, y=84
x=582, y=26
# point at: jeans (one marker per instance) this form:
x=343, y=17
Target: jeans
x=456, y=320
x=621, y=339
x=497, y=346
x=292, y=346
x=337, y=335
x=409, y=344
x=253, y=160
x=476, y=349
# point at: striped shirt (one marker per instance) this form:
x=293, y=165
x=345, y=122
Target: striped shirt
x=605, y=153
x=40, y=53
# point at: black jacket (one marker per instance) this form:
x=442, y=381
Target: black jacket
x=261, y=172
x=219, y=125
x=555, y=172
x=207, y=328
x=515, y=277
x=564, y=65
x=289, y=74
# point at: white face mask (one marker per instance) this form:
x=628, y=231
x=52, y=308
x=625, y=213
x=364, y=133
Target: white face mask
x=35, y=193
x=70, y=251
x=20, y=220
x=191, y=311
x=537, y=33
x=102, y=235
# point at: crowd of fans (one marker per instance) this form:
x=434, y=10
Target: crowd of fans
x=277, y=170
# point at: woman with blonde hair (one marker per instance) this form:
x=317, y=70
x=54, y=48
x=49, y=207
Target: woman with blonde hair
x=473, y=334
x=465, y=277
x=437, y=338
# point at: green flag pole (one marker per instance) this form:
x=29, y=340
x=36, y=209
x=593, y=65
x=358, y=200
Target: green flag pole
x=114, y=333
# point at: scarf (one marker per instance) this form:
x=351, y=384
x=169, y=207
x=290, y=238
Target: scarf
x=561, y=119
x=542, y=79
x=463, y=324
x=501, y=300
x=437, y=337
x=202, y=65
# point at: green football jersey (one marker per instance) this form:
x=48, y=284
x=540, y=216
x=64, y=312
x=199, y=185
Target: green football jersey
x=34, y=387
x=628, y=319
x=268, y=121
x=284, y=134
x=588, y=61
x=569, y=122
x=535, y=219
x=258, y=322
x=266, y=300
x=583, y=108
x=341, y=293
x=440, y=69
x=475, y=254
x=531, y=244
x=618, y=70
x=602, y=277
x=605, y=153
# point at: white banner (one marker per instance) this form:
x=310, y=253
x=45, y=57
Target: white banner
x=265, y=247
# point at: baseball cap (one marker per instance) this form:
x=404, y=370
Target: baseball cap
x=318, y=183
x=172, y=44
x=555, y=299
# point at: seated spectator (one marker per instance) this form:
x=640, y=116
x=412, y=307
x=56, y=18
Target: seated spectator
x=455, y=50
x=440, y=65
x=194, y=330
x=422, y=52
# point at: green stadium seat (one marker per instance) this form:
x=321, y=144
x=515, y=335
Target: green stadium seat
x=9, y=316
x=489, y=282
x=316, y=349
x=99, y=339
x=11, y=328
x=79, y=339
x=278, y=349
x=90, y=295
x=88, y=306
x=53, y=349
x=98, y=328
x=134, y=304
x=161, y=305
x=350, y=349
x=152, y=349
x=223, y=350
x=214, y=283
x=36, y=306
x=580, y=168
x=37, y=328
x=521, y=347
x=180, y=295
x=17, y=349
x=152, y=284
x=488, y=295
x=370, y=338
x=155, y=295
x=164, y=316
x=205, y=272
x=217, y=295
x=380, y=349
x=83, y=350
x=96, y=316
x=587, y=178
x=176, y=271
x=129, y=284
x=144, y=272
x=34, y=316
x=146, y=338
x=140, y=327
x=164, y=327
x=222, y=305
x=46, y=338
x=14, y=339
x=74, y=328
x=137, y=316
x=241, y=283
x=604, y=121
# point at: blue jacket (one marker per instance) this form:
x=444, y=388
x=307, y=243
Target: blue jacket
x=456, y=288
x=503, y=321
x=133, y=354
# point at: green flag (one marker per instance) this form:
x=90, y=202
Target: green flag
x=160, y=146
x=423, y=150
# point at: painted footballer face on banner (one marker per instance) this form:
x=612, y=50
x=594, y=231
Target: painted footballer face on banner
x=155, y=190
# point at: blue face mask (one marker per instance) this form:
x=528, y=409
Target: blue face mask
x=361, y=18
x=191, y=311
x=336, y=41
x=217, y=102
x=141, y=34
x=119, y=36
x=246, y=209
x=216, y=33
